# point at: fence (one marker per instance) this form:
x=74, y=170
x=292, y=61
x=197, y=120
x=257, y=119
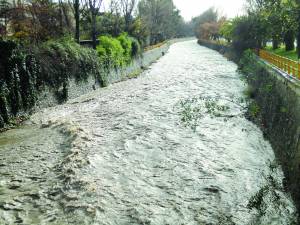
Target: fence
x=287, y=65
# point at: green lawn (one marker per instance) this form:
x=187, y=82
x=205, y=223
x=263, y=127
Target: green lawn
x=281, y=51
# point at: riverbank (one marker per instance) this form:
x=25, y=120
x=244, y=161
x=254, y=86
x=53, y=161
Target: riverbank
x=113, y=75
x=275, y=109
x=225, y=50
x=36, y=91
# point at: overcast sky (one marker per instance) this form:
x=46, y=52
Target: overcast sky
x=192, y=8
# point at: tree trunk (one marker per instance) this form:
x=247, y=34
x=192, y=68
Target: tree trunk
x=275, y=43
x=94, y=38
x=298, y=41
x=77, y=18
x=298, y=33
x=289, y=40
x=127, y=23
x=65, y=12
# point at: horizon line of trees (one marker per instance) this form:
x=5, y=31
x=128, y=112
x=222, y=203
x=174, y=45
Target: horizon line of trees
x=35, y=21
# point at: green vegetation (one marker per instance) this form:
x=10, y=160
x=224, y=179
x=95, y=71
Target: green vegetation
x=117, y=52
x=275, y=21
x=25, y=72
x=194, y=109
x=254, y=109
x=111, y=52
x=62, y=59
x=282, y=52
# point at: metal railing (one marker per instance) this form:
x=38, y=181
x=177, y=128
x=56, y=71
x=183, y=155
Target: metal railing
x=289, y=66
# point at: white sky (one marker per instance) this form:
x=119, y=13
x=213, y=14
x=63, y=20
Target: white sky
x=192, y=8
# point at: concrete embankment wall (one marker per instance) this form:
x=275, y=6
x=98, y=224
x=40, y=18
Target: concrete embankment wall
x=278, y=101
x=47, y=98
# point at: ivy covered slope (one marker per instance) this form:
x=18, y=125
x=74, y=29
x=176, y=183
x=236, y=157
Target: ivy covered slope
x=26, y=71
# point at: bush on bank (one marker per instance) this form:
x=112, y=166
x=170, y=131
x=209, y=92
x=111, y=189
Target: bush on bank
x=117, y=52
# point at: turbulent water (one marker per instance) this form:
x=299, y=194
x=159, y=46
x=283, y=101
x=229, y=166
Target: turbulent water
x=170, y=147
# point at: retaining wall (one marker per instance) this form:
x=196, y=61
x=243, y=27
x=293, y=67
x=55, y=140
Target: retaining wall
x=47, y=98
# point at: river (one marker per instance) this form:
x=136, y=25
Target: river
x=170, y=147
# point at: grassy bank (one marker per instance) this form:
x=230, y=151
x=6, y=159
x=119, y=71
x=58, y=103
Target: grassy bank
x=282, y=52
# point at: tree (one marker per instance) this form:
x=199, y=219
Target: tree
x=127, y=7
x=211, y=30
x=248, y=32
x=226, y=30
x=94, y=9
x=140, y=31
x=77, y=20
x=75, y=5
x=281, y=18
x=298, y=26
x=114, y=19
x=5, y=9
x=36, y=20
x=290, y=24
x=209, y=16
x=161, y=18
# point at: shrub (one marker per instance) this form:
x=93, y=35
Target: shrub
x=111, y=52
x=117, y=52
x=136, y=49
x=126, y=43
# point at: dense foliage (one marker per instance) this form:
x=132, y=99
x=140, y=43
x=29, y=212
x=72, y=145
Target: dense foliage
x=25, y=72
x=117, y=52
x=266, y=21
x=18, y=79
x=126, y=44
x=111, y=52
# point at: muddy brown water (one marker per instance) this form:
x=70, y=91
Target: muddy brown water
x=133, y=153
